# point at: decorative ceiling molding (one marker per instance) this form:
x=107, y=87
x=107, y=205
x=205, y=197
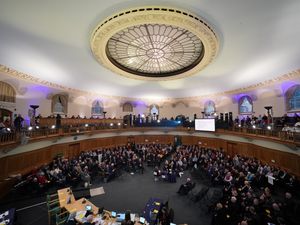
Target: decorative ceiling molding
x=29, y=78
x=136, y=43
x=7, y=105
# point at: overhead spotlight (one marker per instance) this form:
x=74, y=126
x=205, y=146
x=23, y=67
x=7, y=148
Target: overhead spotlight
x=240, y=125
x=143, y=115
x=269, y=127
x=37, y=127
x=111, y=124
x=158, y=121
x=30, y=128
x=86, y=125
x=253, y=126
x=53, y=127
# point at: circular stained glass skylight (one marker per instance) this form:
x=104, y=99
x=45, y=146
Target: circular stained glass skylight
x=155, y=50
x=154, y=43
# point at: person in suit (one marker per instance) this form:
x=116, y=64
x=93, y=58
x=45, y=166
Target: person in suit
x=127, y=220
x=185, y=188
x=89, y=220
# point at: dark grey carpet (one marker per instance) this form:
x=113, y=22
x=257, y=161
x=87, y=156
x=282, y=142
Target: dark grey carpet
x=127, y=192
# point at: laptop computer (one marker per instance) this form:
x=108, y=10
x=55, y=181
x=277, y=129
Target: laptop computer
x=88, y=207
x=142, y=220
x=120, y=217
x=113, y=214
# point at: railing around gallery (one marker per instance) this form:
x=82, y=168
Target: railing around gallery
x=9, y=136
x=23, y=136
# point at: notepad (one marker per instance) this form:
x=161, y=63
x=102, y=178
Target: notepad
x=80, y=215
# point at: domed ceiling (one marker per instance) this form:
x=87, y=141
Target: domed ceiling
x=167, y=50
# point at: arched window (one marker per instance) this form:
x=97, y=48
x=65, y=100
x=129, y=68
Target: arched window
x=154, y=112
x=245, y=105
x=60, y=104
x=127, y=107
x=292, y=96
x=7, y=92
x=209, y=108
x=97, y=108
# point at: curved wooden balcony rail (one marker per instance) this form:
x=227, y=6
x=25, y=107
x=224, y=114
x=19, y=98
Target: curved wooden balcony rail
x=85, y=126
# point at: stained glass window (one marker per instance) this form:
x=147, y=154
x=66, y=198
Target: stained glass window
x=155, y=50
x=245, y=105
x=97, y=108
x=294, y=101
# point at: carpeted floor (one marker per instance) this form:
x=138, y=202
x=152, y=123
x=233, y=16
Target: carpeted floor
x=127, y=192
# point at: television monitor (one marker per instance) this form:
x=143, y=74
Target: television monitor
x=205, y=124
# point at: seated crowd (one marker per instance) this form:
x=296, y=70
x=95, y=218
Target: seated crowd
x=106, y=163
x=248, y=195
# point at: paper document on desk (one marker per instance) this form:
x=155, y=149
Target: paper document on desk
x=98, y=221
x=80, y=215
x=97, y=191
x=132, y=217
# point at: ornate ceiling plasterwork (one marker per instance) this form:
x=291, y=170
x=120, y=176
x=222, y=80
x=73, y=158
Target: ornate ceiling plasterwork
x=154, y=43
x=29, y=78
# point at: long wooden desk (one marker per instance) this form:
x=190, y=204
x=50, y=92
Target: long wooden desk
x=67, y=201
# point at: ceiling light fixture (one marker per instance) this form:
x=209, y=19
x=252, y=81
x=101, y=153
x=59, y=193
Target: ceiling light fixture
x=154, y=43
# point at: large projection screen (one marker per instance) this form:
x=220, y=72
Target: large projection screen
x=205, y=124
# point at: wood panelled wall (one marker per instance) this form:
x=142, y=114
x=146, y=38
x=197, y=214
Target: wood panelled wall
x=288, y=161
x=25, y=162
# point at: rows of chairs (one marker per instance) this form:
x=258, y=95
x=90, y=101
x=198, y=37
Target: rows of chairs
x=204, y=196
x=56, y=214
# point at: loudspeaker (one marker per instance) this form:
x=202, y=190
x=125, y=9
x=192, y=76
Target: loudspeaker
x=222, y=116
x=230, y=116
x=226, y=117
